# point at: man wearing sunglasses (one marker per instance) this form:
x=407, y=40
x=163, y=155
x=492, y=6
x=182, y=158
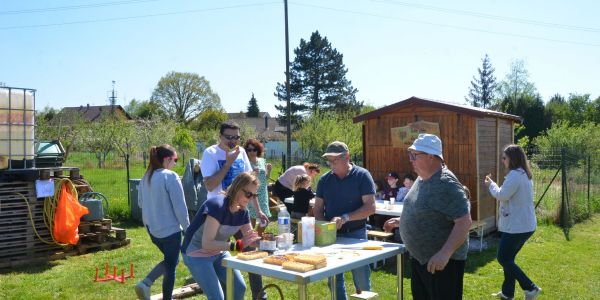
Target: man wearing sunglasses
x=220, y=164
x=434, y=224
x=346, y=196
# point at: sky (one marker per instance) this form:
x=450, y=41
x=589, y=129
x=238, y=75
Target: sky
x=71, y=51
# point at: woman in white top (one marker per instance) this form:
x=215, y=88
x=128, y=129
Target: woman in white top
x=517, y=220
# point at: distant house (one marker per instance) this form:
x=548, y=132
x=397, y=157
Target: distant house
x=266, y=127
x=93, y=113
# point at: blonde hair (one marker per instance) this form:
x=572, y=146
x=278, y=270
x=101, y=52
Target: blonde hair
x=241, y=181
x=300, y=180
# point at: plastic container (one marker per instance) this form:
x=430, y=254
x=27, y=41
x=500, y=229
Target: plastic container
x=17, y=126
x=283, y=221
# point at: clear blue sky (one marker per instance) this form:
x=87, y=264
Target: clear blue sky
x=70, y=51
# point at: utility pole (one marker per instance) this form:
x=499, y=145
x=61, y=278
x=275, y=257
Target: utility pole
x=287, y=87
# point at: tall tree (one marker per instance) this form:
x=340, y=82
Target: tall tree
x=578, y=108
x=317, y=81
x=184, y=96
x=252, y=108
x=556, y=109
x=516, y=85
x=482, y=90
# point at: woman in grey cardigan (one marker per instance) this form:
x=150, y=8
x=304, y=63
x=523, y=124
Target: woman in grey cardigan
x=165, y=217
x=517, y=220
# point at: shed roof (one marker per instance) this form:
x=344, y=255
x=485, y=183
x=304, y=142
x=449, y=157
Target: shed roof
x=469, y=110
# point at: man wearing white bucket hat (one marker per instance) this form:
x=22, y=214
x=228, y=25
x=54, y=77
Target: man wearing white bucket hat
x=434, y=224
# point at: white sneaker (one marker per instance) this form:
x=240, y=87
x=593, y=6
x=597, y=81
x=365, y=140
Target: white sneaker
x=531, y=295
x=142, y=291
x=499, y=295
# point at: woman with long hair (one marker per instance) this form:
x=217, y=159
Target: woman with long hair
x=517, y=220
x=165, y=217
x=207, y=240
x=255, y=149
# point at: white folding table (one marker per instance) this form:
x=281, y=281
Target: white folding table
x=338, y=261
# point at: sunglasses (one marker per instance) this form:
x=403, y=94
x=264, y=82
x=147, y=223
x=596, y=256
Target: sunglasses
x=174, y=159
x=249, y=195
x=413, y=155
x=231, y=137
x=503, y=157
x=251, y=150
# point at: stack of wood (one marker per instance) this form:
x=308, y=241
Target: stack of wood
x=25, y=239
x=19, y=243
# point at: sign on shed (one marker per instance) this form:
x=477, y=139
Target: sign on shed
x=403, y=137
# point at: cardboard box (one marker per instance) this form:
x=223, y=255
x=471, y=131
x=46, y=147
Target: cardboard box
x=325, y=233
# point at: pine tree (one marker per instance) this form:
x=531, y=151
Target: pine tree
x=317, y=81
x=481, y=92
x=252, y=108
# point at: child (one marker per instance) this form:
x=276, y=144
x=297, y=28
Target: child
x=302, y=196
x=392, y=180
x=408, y=181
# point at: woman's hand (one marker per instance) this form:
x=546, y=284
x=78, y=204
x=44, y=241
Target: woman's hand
x=261, y=215
x=390, y=224
x=251, y=239
x=488, y=180
x=269, y=167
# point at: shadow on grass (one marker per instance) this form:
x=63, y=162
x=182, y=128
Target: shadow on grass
x=39, y=267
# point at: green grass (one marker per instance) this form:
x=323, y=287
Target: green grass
x=564, y=270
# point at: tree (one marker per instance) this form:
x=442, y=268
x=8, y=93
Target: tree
x=317, y=81
x=578, y=108
x=515, y=85
x=482, y=90
x=143, y=109
x=184, y=141
x=252, y=108
x=184, y=96
x=68, y=128
x=556, y=109
x=321, y=128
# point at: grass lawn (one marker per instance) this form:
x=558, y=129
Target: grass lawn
x=563, y=269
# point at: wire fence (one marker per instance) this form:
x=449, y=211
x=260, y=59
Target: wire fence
x=566, y=184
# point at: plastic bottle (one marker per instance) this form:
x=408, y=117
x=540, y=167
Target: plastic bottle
x=283, y=221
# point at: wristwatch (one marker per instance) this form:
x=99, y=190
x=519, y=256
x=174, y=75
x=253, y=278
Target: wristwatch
x=345, y=218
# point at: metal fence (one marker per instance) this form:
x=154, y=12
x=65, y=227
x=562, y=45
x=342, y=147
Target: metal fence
x=566, y=184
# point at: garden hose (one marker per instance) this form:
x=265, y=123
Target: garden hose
x=50, y=204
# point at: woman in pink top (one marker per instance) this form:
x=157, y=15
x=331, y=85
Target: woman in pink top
x=285, y=184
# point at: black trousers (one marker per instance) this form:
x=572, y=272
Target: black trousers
x=446, y=284
x=282, y=192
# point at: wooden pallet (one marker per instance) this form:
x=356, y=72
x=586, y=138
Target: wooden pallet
x=109, y=244
x=185, y=291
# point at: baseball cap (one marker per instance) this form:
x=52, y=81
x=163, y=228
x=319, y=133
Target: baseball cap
x=335, y=149
x=392, y=175
x=428, y=143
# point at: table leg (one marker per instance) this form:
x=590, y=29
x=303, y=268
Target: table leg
x=333, y=288
x=302, y=291
x=229, y=278
x=400, y=272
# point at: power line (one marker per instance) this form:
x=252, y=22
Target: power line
x=490, y=16
x=138, y=17
x=71, y=7
x=446, y=25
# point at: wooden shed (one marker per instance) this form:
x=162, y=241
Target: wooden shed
x=472, y=138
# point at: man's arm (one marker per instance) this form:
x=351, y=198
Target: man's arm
x=367, y=209
x=455, y=239
x=318, y=209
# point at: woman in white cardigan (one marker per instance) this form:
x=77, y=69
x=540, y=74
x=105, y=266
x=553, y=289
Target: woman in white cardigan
x=517, y=220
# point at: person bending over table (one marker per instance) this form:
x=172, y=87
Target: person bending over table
x=284, y=185
x=346, y=196
x=206, y=242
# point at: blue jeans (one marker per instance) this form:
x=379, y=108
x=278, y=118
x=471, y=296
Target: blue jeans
x=361, y=276
x=170, y=247
x=510, y=245
x=211, y=276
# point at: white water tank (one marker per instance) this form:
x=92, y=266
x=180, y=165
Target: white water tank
x=17, y=127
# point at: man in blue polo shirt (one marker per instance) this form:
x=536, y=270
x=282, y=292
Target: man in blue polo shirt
x=346, y=196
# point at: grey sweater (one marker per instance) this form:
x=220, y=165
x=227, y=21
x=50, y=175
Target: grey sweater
x=163, y=205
